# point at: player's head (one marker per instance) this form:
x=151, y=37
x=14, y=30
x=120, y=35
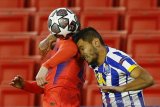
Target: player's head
x=89, y=41
x=63, y=23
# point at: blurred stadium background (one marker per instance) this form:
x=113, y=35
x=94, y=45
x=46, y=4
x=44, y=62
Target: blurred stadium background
x=132, y=26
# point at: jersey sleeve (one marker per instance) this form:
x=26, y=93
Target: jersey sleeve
x=129, y=64
x=31, y=86
x=66, y=51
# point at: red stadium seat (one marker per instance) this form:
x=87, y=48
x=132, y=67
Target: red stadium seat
x=21, y=18
x=12, y=4
x=114, y=39
x=139, y=4
x=12, y=97
x=144, y=45
x=102, y=19
x=152, y=66
x=18, y=34
x=137, y=21
x=152, y=95
x=13, y=46
x=14, y=21
x=17, y=66
x=41, y=24
x=48, y=4
x=84, y=4
x=28, y=35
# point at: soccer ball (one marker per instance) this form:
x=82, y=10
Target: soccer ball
x=63, y=23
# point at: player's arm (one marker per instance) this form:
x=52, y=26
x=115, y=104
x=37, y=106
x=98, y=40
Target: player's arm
x=142, y=79
x=29, y=86
x=65, y=52
x=46, y=45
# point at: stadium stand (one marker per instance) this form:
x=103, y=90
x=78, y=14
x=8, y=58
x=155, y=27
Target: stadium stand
x=115, y=39
x=11, y=97
x=12, y=4
x=152, y=66
x=20, y=20
x=13, y=46
x=7, y=34
x=40, y=22
x=144, y=45
x=85, y=4
x=102, y=19
x=151, y=94
x=139, y=4
x=20, y=66
x=16, y=20
x=137, y=21
x=24, y=25
x=42, y=5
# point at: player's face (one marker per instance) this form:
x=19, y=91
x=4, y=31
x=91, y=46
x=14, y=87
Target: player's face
x=88, y=51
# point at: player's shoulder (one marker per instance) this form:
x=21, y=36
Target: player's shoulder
x=69, y=45
x=116, y=54
x=113, y=51
x=67, y=42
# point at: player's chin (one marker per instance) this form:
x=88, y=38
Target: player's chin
x=90, y=62
x=93, y=61
x=87, y=60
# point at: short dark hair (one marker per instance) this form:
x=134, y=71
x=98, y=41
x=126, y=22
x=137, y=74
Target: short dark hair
x=87, y=34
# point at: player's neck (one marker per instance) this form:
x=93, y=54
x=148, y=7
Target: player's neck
x=101, y=55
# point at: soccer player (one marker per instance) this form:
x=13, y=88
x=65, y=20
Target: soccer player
x=119, y=77
x=63, y=82
x=60, y=78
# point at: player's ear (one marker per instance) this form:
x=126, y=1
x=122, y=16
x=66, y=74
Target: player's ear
x=96, y=42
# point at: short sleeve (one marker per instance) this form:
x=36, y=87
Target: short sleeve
x=128, y=63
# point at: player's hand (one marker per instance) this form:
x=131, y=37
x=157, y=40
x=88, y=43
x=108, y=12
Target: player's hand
x=17, y=82
x=41, y=76
x=112, y=89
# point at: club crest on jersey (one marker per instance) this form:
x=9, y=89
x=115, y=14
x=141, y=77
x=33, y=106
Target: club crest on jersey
x=100, y=79
x=107, y=69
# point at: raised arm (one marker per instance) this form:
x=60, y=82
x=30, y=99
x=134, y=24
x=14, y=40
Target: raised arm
x=66, y=51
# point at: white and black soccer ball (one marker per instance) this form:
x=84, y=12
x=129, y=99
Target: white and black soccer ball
x=63, y=23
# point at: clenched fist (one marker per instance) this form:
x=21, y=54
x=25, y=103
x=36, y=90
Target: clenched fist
x=17, y=82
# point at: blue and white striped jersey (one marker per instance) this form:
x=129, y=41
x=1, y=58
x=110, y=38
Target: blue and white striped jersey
x=115, y=71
